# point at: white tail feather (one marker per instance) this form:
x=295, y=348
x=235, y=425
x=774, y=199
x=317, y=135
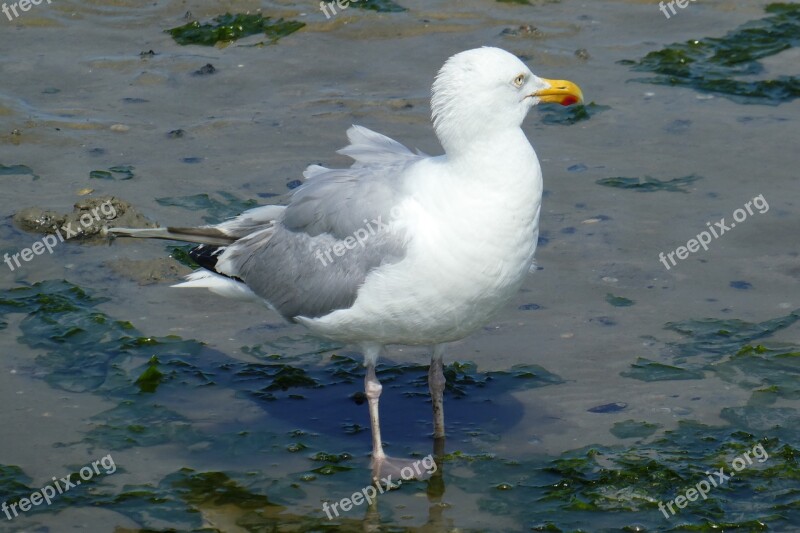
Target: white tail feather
x=205, y=235
x=221, y=285
x=146, y=233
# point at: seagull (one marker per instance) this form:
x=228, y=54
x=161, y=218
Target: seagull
x=402, y=247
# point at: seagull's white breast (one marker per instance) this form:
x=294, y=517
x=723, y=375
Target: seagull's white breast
x=472, y=230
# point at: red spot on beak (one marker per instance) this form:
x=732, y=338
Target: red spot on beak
x=569, y=100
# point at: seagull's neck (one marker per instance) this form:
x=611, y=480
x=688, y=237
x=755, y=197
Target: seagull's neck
x=499, y=153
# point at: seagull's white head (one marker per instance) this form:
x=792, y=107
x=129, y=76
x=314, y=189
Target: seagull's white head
x=486, y=90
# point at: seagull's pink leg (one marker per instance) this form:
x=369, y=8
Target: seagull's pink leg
x=436, y=384
x=389, y=471
x=373, y=388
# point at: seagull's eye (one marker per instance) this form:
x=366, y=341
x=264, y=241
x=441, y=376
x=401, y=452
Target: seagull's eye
x=519, y=80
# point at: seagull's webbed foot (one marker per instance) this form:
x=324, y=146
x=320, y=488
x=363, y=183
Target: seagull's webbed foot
x=390, y=472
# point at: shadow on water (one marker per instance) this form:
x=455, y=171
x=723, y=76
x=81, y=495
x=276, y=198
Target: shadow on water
x=318, y=394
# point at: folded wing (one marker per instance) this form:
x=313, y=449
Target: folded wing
x=310, y=257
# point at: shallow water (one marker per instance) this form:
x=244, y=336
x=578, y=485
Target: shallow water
x=541, y=447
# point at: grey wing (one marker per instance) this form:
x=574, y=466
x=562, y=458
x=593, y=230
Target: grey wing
x=331, y=235
x=339, y=201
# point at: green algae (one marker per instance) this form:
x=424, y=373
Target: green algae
x=151, y=378
x=725, y=348
x=125, y=172
x=567, y=115
x=646, y=370
x=649, y=184
x=631, y=429
x=618, y=301
x=381, y=6
x=181, y=255
x=218, y=210
x=719, y=64
x=17, y=170
x=229, y=28
x=716, y=337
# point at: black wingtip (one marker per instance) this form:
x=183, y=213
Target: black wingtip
x=206, y=255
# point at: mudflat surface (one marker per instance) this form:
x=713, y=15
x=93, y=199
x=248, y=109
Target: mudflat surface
x=224, y=442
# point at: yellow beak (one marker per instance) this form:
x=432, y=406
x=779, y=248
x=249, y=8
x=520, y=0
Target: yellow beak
x=560, y=92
